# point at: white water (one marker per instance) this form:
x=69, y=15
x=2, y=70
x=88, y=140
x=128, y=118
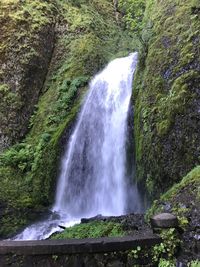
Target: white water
x=93, y=174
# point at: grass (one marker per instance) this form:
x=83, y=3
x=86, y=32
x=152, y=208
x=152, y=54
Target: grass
x=92, y=230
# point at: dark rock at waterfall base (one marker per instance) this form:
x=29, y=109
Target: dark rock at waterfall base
x=62, y=227
x=98, y=217
x=131, y=223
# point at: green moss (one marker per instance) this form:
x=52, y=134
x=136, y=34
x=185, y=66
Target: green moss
x=20, y=21
x=183, y=201
x=163, y=127
x=25, y=26
x=164, y=92
x=91, y=230
x=192, y=177
x=190, y=184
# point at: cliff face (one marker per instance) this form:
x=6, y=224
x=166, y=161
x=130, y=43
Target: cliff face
x=167, y=95
x=167, y=115
x=48, y=54
x=27, y=40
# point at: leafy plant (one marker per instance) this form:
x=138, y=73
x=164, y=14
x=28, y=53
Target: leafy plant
x=134, y=254
x=67, y=93
x=166, y=263
x=19, y=156
x=168, y=248
x=133, y=15
x=133, y=11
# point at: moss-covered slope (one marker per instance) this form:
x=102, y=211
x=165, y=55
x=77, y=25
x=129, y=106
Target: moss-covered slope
x=27, y=40
x=183, y=199
x=167, y=95
x=86, y=38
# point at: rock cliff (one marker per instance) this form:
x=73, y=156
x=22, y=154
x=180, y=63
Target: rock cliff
x=167, y=95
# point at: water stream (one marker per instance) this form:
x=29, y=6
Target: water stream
x=93, y=170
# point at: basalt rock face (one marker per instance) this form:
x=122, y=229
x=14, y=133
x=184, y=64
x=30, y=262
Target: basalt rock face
x=27, y=40
x=167, y=95
x=167, y=117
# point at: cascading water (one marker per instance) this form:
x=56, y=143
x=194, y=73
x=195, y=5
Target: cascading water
x=93, y=172
x=93, y=169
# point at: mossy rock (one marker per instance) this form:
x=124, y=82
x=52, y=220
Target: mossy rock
x=27, y=40
x=166, y=96
x=183, y=200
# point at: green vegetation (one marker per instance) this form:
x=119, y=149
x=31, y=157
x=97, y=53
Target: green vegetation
x=194, y=263
x=183, y=199
x=189, y=186
x=35, y=115
x=162, y=255
x=166, y=263
x=91, y=229
x=134, y=254
x=165, y=252
x=165, y=92
x=133, y=11
x=22, y=22
x=24, y=58
x=87, y=38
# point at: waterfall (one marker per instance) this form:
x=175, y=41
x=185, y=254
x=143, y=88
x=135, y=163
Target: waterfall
x=93, y=170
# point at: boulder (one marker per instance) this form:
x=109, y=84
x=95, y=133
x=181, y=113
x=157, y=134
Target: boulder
x=164, y=220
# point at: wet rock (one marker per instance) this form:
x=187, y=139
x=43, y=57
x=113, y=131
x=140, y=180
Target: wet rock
x=131, y=223
x=164, y=220
x=167, y=207
x=98, y=217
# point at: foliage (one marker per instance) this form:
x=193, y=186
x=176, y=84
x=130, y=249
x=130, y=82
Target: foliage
x=168, y=248
x=10, y=103
x=133, y=16
x=133, y=11
x=190, y=183
x=19, y=156
x=183, y=201
x=163, y=254
x=21, y=22
x=195, y=263
x=67, y=94
x=166, y=263
x=134, y=253
x=91, y=229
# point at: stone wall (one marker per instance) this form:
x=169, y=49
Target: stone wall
x=98, y=252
